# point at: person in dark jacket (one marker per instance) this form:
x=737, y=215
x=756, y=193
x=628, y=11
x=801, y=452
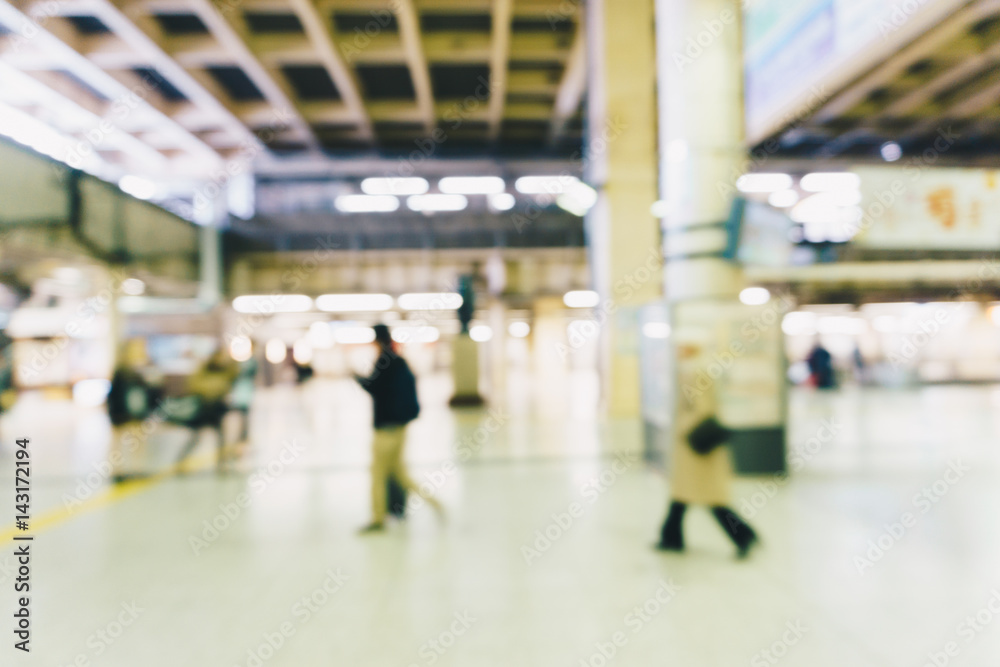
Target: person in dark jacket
x=820, y=363
x=130, y=400
x=393, y=389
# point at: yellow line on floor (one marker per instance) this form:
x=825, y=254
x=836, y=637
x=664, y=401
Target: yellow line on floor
x=114, y=494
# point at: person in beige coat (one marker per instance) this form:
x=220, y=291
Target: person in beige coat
x=700, y=479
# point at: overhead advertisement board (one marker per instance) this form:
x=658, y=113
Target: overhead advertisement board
x=932, y=209
x=798, y=52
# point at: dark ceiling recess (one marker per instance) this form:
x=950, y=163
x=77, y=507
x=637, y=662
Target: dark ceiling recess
x=165, y=88
x=181, y=24
x=552, y=69
x=460, y=81
x=88, y=25
x=386, y=82
x=371, y=24
x=559, y=25
x=456, y=22
x=236, y=83
x=273, y=23
x=311, y=82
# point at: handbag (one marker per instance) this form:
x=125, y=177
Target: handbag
x=708, y=435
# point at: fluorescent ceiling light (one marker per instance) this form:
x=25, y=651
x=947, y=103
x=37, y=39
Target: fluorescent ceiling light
x=395, y=186
x=581, y=299
x=800, y=323
x=272, y=303
x=763, y=182
x=138, y=187
x=783, y=198
x=430, y=301
x=656, y=330
x=480, y=333
x=578, y=199
x=433, y=203
x=891, y=151
x=472, y=185
x=353, y=335
x=425, y=334
x=544, y=185
x=823, y=181
x=346, y=303
x=366, y=204
x=503, y=201
x=755, y=296
x=133, y=286
x=519, y=329
x=302, y=352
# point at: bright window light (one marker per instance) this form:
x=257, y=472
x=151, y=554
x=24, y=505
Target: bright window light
x=353, y=335
x=91, y=393
x=395, y=186
x=133, y=286
x=755, y=296
x=302, y=352
x=366, y=203
x=240, y=348
x=138, y=187
x=430, y=301
x=503, y=201
x=434, y=203
x=824, y=181
x=581, y=299
x=783, y=198
x=356, y=303
x=763, y=182
x=480, y=333
x=404, y=335
x=519, y=329
x=545, y=185
x=472, y=185
x=842, y=324
x=656, y=330
x=273, y=303
x=275, y=351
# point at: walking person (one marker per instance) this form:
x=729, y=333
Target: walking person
x=130, y=400
x=393, y=389
x=700, y=478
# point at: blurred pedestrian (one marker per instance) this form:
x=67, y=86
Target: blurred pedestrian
x=130, y=400
x=701, y=472
x=211, y=385
x=820, y=363
x=241, y=397
x=393, y=389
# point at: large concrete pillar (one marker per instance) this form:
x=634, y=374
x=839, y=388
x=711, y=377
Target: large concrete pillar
x=699, y=55
x=621, y=162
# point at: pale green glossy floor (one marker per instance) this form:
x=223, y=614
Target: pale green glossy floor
x=402, y=590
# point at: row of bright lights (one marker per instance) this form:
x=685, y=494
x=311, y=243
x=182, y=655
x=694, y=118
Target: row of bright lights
x=381, y=195
x=346, y=303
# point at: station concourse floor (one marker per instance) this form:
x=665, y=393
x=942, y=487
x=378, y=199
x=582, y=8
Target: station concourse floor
x=286, y=581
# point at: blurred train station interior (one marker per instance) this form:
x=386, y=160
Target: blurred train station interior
x=582, y=221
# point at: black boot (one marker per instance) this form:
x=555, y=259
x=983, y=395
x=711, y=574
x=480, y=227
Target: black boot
x=742, y=535
x=672, y=533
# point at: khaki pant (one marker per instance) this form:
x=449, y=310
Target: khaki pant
x=388, y=460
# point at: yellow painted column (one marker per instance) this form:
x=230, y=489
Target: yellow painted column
x=621, y=162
